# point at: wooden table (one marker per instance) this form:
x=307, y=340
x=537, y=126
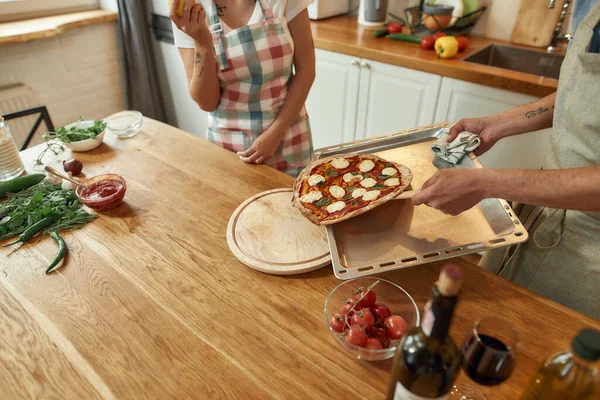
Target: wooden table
x=151, y=303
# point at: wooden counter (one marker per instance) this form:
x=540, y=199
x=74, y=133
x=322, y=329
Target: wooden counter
x=41, y=28
x=344, y=35
x=151, y=302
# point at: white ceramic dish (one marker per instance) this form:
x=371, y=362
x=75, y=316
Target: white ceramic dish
x=458, y=8
x=125, y=124
x=87, y=144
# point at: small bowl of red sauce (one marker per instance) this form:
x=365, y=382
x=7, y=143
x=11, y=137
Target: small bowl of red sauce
x=102, y=192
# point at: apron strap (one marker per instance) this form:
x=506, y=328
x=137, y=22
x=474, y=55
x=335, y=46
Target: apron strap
x=266, y=10
x=216, y=28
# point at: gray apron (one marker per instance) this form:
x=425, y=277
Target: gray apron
x=561, y=260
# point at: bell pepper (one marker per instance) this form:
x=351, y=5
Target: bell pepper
x=446, y=47
x=180, y=7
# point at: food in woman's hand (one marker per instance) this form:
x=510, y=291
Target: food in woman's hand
x=337, y=188
x=365, y=323
x=74, y=166
x=180, y=6
x=463, y=43
x=446, y=47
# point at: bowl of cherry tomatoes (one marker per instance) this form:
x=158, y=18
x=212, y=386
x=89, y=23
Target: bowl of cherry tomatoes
x=369, y=317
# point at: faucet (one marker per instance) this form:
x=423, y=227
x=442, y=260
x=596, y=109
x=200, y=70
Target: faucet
x=556, y=36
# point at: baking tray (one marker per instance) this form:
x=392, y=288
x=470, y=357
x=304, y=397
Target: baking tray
x=397, y=234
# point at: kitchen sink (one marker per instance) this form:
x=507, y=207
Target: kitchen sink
x=516, y=59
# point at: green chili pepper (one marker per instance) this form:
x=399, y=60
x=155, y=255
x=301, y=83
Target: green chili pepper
x=35, y=229
x=62, y=250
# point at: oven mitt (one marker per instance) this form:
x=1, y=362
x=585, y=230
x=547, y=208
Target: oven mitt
x=454, y=151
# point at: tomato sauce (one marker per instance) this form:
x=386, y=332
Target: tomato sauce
x=101, y=190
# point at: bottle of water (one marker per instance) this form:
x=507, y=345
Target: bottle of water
x=11, y=164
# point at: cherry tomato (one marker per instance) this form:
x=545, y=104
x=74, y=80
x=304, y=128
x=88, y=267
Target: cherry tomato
x=394, y=27
x=356, y=336
x=380, y=311
x=368, y=298
x=428, y=42
x=363, y=318
x=380, y=332
x=396, y=326
x=337, y=323
x=463, y=43
x=374, y=344
x=438, y=35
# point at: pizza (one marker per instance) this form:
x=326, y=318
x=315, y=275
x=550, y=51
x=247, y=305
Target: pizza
x=337, y=188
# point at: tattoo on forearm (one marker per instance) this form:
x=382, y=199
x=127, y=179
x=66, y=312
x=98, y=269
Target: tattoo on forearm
x=220, y=10
x=198, y=58
x=201, y=71
x=539, y=111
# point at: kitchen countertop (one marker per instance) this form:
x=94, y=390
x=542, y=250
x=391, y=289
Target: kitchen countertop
x=344, y=35
x=151, y=302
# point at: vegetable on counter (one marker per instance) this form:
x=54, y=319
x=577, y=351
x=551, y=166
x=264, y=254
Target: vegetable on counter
x=427, y=42
x=34, y=229
x=21, y=183
x=60, y=254
x=463, y=43
x=403, y=37
x=73, y=166
x=446, y=47
x=394, y=27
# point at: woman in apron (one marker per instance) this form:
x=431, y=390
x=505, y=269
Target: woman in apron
x=561, y=260
x=240, y=57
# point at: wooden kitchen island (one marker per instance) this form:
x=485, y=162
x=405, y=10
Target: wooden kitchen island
x=152, y=304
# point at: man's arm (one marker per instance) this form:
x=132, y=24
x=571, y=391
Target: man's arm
x=527, y=118
x=453, y=191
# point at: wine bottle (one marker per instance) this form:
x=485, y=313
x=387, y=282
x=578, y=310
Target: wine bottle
x=568, y=375
x=428, y=361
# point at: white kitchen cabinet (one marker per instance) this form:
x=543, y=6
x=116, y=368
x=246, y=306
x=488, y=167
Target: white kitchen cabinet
x=354, y=98
x=393, y=98
x=459, y=99
x=333, y=99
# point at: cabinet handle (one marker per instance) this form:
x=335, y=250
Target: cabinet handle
x=355, y=63
x=366, y=65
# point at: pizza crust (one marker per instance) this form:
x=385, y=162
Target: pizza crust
x=405, y=173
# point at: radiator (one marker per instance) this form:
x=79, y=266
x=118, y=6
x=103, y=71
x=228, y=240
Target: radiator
x=17, y=98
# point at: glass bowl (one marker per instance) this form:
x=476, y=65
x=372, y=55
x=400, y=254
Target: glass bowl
x=98, y=202
x=125, y=124
x=388, y=293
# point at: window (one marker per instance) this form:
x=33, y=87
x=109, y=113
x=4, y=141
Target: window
x=20, y=9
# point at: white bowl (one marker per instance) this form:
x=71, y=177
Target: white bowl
x=87, y=144
x=125, y=124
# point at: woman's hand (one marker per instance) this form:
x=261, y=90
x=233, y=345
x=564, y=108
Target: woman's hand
x=192, y=22
x=479, y=126
x=262, y=149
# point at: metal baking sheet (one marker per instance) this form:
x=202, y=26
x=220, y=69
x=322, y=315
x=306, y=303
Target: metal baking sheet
x=397, y=234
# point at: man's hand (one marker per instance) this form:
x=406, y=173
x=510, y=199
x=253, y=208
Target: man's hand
x=452, y=191
x=262, y=149
x=478, y=126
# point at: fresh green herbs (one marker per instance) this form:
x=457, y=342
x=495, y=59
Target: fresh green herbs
x=382, y=177
x=59, y=209
x=331, y=173
x=322, y=202
x=355, y=202
x=76, y=134
x=321, y=183
x=366, y=175
x=350, y=189
x=379, y=186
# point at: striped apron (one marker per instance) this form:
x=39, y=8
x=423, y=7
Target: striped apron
x=255, y=70
x=561, y=261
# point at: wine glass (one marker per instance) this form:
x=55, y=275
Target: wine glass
x=488, y=356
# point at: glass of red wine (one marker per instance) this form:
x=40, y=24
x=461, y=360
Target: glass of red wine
x=488, y=356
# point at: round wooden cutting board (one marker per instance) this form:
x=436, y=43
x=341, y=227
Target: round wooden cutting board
x=266, y=233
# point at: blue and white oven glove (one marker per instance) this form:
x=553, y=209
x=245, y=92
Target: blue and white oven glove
x=454, y=151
